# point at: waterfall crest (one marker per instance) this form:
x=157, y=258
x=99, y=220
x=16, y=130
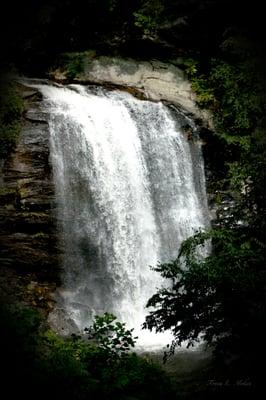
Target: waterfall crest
x=129, y=190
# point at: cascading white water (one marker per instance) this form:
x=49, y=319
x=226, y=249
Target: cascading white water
x=128, y=193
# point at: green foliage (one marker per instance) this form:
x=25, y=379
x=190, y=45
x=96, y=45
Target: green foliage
x=148, y=16
x=141, y=379
x=218, y=298
x=63, y=369
x=112, y=5
x=11, y=107
x=73, y=63
x=239, y=176
x=205, y=96
x=111, y=336
x=20, y=326
x=232, y=89
x=199, y=83
x=191, y=67
x=38, y=361
x=236, y=89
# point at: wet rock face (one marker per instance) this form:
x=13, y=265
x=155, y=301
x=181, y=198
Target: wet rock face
x=151, y=80
x=28, y=234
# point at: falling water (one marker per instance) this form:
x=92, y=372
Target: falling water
x=130, y=188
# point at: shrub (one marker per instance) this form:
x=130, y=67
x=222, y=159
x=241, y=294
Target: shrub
x=111, y=336
x=38, y=362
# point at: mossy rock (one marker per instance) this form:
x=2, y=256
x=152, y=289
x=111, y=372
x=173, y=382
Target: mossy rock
x=11, y=108
x=7, y=195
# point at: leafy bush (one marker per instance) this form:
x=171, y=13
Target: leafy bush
x=111, y=336
x=232, y=89
x=104, y=369
x=218, y=298
x=73, y=63
x=62, y=369
x=38, y=361
x=148, y=16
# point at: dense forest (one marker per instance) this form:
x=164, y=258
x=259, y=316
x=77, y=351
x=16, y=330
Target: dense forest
x=221, y=298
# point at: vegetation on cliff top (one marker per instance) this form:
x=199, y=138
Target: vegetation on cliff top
x=38, y=31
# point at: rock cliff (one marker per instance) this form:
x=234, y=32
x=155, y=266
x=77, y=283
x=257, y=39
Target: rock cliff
x=29, y=249
x=151, y=80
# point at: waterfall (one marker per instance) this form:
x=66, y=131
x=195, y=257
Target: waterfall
x=130, y=188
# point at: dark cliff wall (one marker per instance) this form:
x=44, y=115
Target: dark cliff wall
x=28, y=237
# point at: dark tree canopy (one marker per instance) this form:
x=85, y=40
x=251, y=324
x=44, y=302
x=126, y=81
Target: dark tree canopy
x=37, y=31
